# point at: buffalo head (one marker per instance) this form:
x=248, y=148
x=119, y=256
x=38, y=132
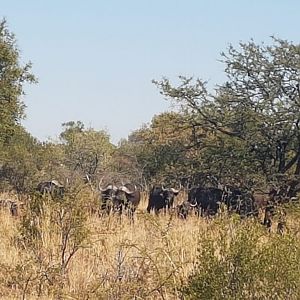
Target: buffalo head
x=52, y=187
x=161, y=197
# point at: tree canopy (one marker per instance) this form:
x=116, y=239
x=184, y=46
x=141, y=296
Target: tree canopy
x=246, y=130
x=13, y=76
x=87, y=151
x=252, y=120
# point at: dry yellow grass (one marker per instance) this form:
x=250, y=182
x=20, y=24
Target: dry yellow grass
x=146, y=258
x=149, y=258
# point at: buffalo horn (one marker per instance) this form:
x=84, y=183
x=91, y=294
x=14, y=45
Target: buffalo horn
x=55, y=182
x=126, y=190
x=99, y=186
x=87, y=178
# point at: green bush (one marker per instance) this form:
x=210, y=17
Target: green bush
x=241, y=260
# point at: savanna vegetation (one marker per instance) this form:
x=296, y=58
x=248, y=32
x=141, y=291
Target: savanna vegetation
x=245, y=132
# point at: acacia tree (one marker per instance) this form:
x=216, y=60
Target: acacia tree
x=252, y=120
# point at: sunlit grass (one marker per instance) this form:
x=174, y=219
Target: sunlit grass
x=151, y=257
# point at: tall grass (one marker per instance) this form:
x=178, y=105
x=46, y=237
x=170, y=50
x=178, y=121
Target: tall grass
x=154, y=257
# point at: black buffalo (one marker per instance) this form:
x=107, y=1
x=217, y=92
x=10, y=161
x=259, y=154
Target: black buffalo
x=108, y=195
x=53, y=187
x=208, y=200
x=127, y=198
x=161, y=198
x=118, y=199
x=183, y=209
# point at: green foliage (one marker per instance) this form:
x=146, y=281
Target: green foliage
x=13, y=76
x=19, y=161
x=251, y=122
x=50, y=160
x=16, y=157
x=162, y=149
x=241, y=261
x=86, y=150
x=125, y=165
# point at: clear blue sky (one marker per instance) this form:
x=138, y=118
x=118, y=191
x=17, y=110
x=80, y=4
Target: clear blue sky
x=95, y=59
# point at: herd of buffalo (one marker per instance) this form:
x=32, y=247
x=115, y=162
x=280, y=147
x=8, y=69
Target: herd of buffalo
x=201, y=200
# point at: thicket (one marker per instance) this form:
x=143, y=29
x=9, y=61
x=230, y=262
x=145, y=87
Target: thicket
x=239, y=260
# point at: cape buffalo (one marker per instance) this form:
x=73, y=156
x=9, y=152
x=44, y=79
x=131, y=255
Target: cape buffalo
x=127, y=198
x=53, y=187
x=116, y=199
x=108, y=195
x=208, y=200
x=183, y=210
x=161, y=197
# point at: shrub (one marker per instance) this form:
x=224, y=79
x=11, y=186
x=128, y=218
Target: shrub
x=240, y=260
x=52, y=231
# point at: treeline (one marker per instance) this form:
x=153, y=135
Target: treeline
x=246, y=131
